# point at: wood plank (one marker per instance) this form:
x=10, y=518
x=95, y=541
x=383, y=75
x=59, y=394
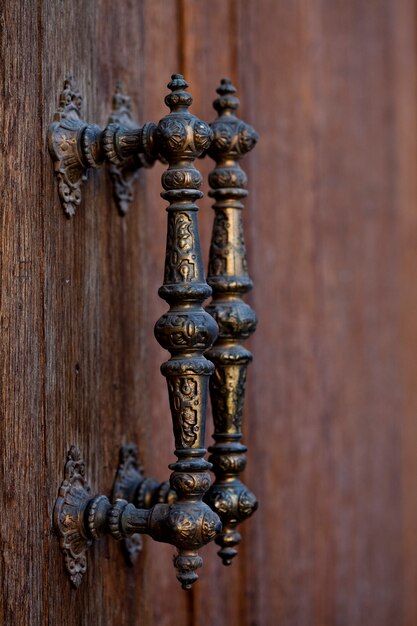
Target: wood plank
x=23, y=522
x=332, y=261
x=404, y=84
x=94, y=298
x=209, y=51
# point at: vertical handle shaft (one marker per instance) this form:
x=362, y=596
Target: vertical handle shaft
x=229, y=279
x=186, y=330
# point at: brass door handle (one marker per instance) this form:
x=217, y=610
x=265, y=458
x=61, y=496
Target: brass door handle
x=186, y=331
x=228, y=277
x=185, y=512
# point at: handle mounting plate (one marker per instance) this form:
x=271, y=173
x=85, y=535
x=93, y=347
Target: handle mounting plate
x=129, y=476
x=124, y=173
x=64, y=136
x=70, y=505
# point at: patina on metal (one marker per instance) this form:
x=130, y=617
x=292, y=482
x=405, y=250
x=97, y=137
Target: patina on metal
x=65, y=143
x=76, y=146
x=186, y=331
x=228, y=276
x=74, y=495
x=127, y=148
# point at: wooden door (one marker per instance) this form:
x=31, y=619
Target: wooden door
x=331, y=222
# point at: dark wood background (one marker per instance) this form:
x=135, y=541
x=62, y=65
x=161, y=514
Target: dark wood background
x=332, y=235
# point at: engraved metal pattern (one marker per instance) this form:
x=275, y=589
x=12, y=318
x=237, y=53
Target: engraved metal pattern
x=229, y=279
x=74, y=495
x=122, y=138
x=186, y=330
x=64, y=137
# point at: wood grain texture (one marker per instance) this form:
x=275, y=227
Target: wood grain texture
x=331, y=226
x=95, y=291
x=24, y=524
x=333, y=382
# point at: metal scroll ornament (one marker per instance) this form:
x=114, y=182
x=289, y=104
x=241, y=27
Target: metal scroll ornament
x=132, y=485
x=65, y=136
x=127, y=147
x=74, y=494
x=229, y=279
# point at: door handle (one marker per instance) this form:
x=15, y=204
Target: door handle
x=186, y=511
x=186, y=331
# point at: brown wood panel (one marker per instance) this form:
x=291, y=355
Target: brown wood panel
x=405, y=155
x=332, y=233
x=334, y=261
x=95, y=290
x=23, y=592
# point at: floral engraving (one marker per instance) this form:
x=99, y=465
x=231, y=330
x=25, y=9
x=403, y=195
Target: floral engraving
x=178, y=179
x=172, y=134
x=180, y=263
x=190, y=483
x=179, y=330
x=247, y=504
x=185, y=402
x=222, y=137
x=202, y=135
x=227, y=390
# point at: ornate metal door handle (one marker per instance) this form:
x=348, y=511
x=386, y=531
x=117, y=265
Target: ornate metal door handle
x=229, y=279
x=177, y=511
x=186, y=331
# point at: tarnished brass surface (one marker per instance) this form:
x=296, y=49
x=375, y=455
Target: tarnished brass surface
x=74, y=495
x=132, y=485
x=186, y=331
x=177, y=511
x=228, y=276
x=65, y=143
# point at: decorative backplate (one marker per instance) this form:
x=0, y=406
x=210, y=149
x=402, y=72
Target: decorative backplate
x=74, y=495
x=64, y=135
x=129, y=477
x=124, y=172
